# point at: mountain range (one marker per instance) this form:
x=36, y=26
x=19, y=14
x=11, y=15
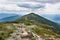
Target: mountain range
x=33, y=18
x=4, y=15
x=52, y=17
x=10, y=18
x=35, y=23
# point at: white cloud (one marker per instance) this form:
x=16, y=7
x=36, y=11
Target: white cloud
x=50, y=8
x=11, y=6
x=43, y=1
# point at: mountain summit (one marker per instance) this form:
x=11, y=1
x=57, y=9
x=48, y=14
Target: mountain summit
x=33, y=18
x=36, y=18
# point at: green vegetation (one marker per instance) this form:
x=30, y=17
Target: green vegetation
x=44, y=26
x=41, y=22
x=4, y=31
x=32, y=19
x=43, y=31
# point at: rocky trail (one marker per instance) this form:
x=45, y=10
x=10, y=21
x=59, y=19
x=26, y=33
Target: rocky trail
x=22, y=34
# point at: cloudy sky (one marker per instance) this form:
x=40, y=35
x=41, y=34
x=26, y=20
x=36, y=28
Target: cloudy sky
x=28, y=6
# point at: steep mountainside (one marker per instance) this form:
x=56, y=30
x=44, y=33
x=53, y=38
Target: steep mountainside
x=36, y=18
x=32, y=18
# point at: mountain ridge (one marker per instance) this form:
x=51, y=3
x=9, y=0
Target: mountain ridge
x=35, y=24
x=10, y=18
x=33, y=15
x=3, y=15
x=33, y=18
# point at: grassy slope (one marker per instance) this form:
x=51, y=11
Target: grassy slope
x=4, y=31
x=38, y=20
